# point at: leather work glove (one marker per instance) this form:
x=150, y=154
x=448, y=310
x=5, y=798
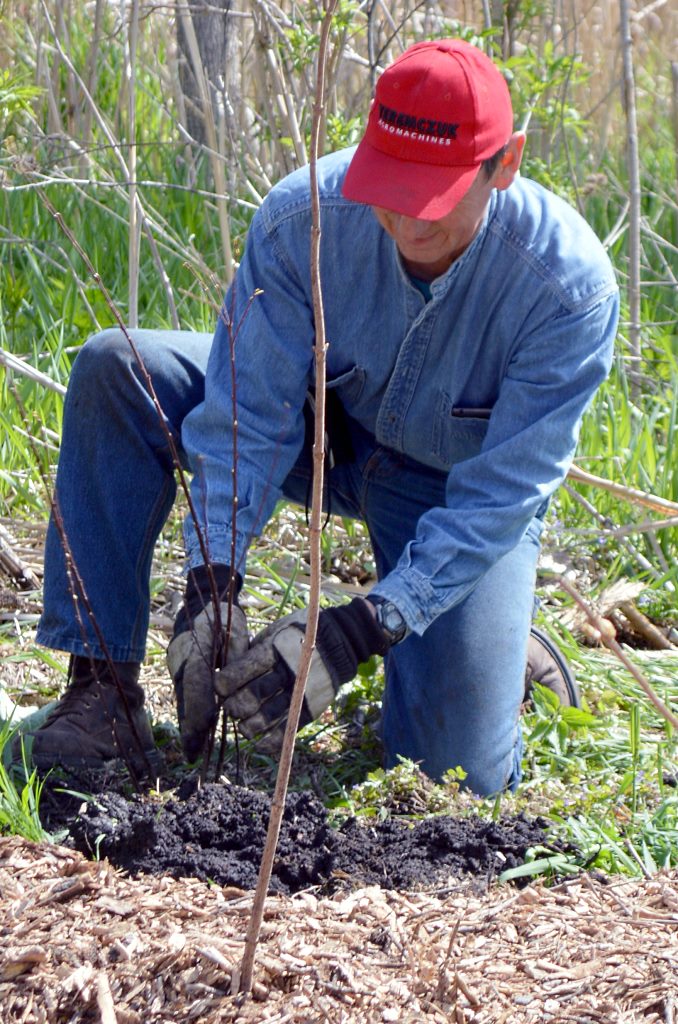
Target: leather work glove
x=257, y=687
x=196, y=649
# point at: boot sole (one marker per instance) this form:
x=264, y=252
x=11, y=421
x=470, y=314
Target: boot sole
x=573, y=692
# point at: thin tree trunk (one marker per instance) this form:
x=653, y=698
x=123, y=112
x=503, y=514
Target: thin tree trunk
x=91, y=82
x=216, y=158
x=215, y=31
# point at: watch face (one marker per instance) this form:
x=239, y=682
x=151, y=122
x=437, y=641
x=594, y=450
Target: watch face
x=392, y=621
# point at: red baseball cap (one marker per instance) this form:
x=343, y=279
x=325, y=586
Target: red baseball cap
x=439, y=110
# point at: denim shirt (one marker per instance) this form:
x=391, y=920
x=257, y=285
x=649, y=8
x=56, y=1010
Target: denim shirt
x=522, y=324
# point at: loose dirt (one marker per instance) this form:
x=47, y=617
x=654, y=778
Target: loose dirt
x=216, y=833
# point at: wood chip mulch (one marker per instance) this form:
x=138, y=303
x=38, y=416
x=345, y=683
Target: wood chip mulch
x=81, y=941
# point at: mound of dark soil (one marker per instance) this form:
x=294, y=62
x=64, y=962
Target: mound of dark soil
x=217, y=834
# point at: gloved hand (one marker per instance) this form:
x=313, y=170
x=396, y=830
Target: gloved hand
x=257, y=687
x=197, y=648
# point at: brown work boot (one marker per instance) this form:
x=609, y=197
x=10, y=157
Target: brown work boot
x=547, y=666
x=97, y=720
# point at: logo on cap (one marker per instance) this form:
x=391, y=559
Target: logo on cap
x=425, y=129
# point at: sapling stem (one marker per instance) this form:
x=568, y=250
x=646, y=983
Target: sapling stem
x=96, y=277
x=315, y=531
x=79, y=596
x=176, y=462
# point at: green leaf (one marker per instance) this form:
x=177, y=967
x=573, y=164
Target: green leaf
x=559, y=863
x=577, y=718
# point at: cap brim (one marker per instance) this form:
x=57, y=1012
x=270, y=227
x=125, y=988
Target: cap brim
x=424, y=191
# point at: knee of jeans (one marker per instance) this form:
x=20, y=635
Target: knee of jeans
x=102, y=360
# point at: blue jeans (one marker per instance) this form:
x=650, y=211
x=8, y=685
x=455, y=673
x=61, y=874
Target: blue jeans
x=452, y=696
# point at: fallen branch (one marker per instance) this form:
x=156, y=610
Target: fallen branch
x=609, y=641
x=654, y=637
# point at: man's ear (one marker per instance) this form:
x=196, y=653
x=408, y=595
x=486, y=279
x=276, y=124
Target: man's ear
x=510, y=162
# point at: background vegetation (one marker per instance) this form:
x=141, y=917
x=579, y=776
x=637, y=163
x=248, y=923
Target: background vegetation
x=155, y=130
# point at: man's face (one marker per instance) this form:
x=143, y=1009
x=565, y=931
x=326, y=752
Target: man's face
x=429, y=247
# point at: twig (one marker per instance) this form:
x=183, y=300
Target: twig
x=79, y=596
x=646, y=527
x=609, y=641
x=634, y=853
x=105, y=1000
x=287, y=752
x=171, y=443
x=674, y=111
x=643, y=562
x=281, y=89
x=226, y=317
x=172, y=447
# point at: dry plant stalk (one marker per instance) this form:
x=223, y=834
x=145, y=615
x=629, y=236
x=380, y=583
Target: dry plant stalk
x=674, y=110
x=630, y=494
x=629, y=96
x=134, y=229
x=18, y=365
x=281, y=107
x=315, y=531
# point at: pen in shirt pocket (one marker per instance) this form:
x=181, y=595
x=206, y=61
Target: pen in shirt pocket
x=468, y=413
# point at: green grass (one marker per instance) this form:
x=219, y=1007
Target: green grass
x=19, y=800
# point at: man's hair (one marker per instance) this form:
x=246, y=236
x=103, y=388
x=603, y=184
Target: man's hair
x=490, y=165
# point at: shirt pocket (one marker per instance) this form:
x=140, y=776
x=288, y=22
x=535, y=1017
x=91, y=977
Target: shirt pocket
x=348, y=386
x=457, y=433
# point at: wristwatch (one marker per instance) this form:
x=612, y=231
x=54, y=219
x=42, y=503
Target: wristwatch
x=390, y=619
